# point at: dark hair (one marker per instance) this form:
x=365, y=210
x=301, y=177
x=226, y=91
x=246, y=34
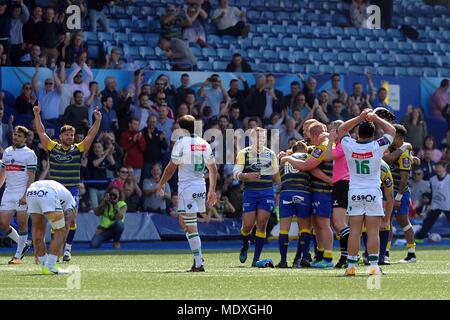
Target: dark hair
x=233, y=81
x=143, y=94
x=133, y=119
x=400, y=130
x=323, y=91
x=382, y=89
x=432, y=138
x=121, y=194
x=187, y=122
x=184, y=75
x=300, y=146
x=445, y=83
x=366, y=130
x=335, y=101
x=92, y=83
x=335, y=75
x=295, y=83
x=77, y=92
x=236, y=55
x=427, y=195
x=223, y=116
x=105, y=98
x=442, y=163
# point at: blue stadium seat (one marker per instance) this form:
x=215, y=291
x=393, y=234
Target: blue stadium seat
x=440, y=10
x=141, y=63
x=196, y=51
x=137, y=39
x=258, y=42
x=131, y=53
x=373, y=57
x=333, y=44
x=147, y=52
x=105, y=36
x=227, y=40
x=388, y=60
x=390, y=45
x=296, y=68
x=285, y=55
x=351, y=32
x=444, y=72
x=263, y=28
x=303, y=43
x=385, y=71
x=312, y=69
x=329, y=56
x=424, y=22
x=432, y=61
x=340, y=69
x=430, y=72
x=289, y=42
x=125, y=23
x=301, y=57
x=319, y=44
x=155, y=65
x=414, y=72
x=90, y=37
x=224, y=54
x=359, y=58
x=273, y=42
x=152, y=38
x=209, y=53
x=376, y=45
x=401, y=72
x=270, y=55
x=253, y=54
x=362, y=45
x=254, y=16
x=93, y=50
x=356, y=69
x=315, y=56
x=418, y=60
x=325, y=69
x=336, y=31
x=404, y=46
x=403, y=60
x=278, y=28
x=281, y=68
x=264, y=67
x=349, y=45
x=292, y=29
x=214, y=39
x=204, y=66
x=420, y=47
x=345, y=57
x=120, y=37
x=220, y=65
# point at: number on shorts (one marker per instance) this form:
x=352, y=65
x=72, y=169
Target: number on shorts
x=362, y=167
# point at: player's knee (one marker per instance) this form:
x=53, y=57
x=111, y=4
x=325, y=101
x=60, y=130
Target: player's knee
x=58, y=224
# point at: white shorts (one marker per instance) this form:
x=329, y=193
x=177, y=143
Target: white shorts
x=10, y=202
x=43, y=200
x=367, y=202
x=192, y=199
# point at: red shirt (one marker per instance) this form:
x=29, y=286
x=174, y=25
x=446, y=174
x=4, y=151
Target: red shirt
x=134, y=150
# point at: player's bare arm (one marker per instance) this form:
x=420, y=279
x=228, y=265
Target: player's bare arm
x=40, y=129
x=87, y=142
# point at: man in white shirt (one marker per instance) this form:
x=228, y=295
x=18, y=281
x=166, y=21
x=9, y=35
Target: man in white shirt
x=215, y=94
x=49, y=96
x=230, y=20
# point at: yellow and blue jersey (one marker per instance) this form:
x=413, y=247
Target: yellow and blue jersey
x=293, y=180
x=65, y=163
x=404, y=163
x=318, y=154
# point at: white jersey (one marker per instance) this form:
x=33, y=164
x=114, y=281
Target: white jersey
x=65, y=197
x=364, y=160
x=191, y=154
x=16, y=162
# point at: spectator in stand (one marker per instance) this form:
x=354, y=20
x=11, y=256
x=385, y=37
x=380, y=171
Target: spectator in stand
x=172, y=209
x=230, y=20
x=49, y=96
x=76, y=114
x=122, y=176
x=358, y=97
x=30, y=36
x=156, y=142
x=110, y=90
x=5, y=29
x=274, y=97
x=237, y=96
x=172, y=23
x=112, y=210
x=336, y=111
x=418, y=187
x=336, y=92
x=165, y=125
x=289, y=100
x=169, y=89
x=144, y=109
x=423, y=210
x=380, y=100
x=427, y=165
x=195, y=33
x=358, y=13
x=446, y=141
x=183, y=90
x=430, y=143
x=133, y=195
x=414, y=122
x=441, y=98
x=288, y=132
x=109, y=141
x=160, y=95
x=300, y=104
x=94, y=99
x=3, y=56
x=19, y=17
x=153, y=201
x=318, y=113
x=33, y=57
x=109, y=123
x=26, y=100
x=222, y=209
x=309, y=89
x=179, y=54
x=214, y=94
x=75, y=80
x=134, y=145
x=83, y=203
x=52, y=34
x=75, y=48
x=238, y=64
x=195, y=108
x=99, y=161
x=6, y=128
x=97, y=13
x=114, y=60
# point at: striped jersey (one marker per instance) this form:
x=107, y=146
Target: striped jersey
x=386, y=177
x=65, y=163
x=264, y=162
x=404, y=163
x=318, y=154
x=17, y=161
x=293, y=179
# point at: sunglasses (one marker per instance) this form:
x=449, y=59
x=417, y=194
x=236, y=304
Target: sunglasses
x=123, y=171
x=28, y=88
x=49, y=83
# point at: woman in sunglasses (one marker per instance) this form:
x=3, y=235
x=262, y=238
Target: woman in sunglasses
x=26, y=100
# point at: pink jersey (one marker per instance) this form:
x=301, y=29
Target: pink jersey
x=340, y=168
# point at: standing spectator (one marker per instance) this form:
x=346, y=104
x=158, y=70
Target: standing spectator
x=358, y=97
x=133, y=143
x=336, y=92
x=183, y=90
x=440, y=98
x=110, y=90
x=309, y=89
x=300, y=104
x=98, y=162
x=52, y=35
x=380, y=100
x=156, y=143
x=237, y=96
x=179, y=54
x=153, y=201
x=114, y=60
x=19, y=17
x=230, y=20
x=144, y=109
x=97, y=13
x=112, y=210
x=76, y=114
x=289, y=100
x=255, y=103
x=133, y=195
x=195, y=33
x=427, y=165
x=358, y=13
x=26, y=100
x=30, y=36
x=194, y=107
x=172, y=23
x=109, y=141
x=417, y=128
x=215, y=94
x=165, y=125
x=33, y=57
x=324, y=101
x=238, y=64
x=75, y=80
x=94, y=99
x=430, y=143
x=160, y=95
x=5, y=29
x=318, y=113
x=109, y=123
x=336, y=112
x=49, y=96
x=274, y=97
x=288, y=132
x=418, y=187
x=440, y=203
x=75, y=48
x=6, y=128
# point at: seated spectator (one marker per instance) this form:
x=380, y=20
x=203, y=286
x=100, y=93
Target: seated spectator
x=230, y=20
x=195, y=33
x=425, y=205
x=33, y=57
x=172, y=23
x=114, y=60
x=76, y=114
x=48, y=96
x=418, y=187
x=318, y=113
x=179, y=54
x=153, y=201
x=358, y=13
x=195, y=108
x=172, y=209
x=156, y=143
x=122, y=176
x=213, y=92
x=134, y=145
x=440, y=98
x=414, y=122
x=144, y=109
x=223, y=208
x=19, y=17
x=75, y=48
x=97, y=13
x=83, y=203
x=112, y=210
x=237, y=96
x=3, y=56
x=427, y=165
x=164, y=91
x=430, y=143
x=26, y=100
x=108, y=139
x=99, y=161
x=336, y=92
x=238, y=64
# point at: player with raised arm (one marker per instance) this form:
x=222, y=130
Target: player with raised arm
x=18, y=168
x=65, y=162
x=191, y=155
x=365, y=203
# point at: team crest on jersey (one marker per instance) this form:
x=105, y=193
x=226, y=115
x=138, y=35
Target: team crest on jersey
x=388, y=182
x=406, y=163
x=189, y=206
x=63, y=158
x=317, y=153
x=383, y=141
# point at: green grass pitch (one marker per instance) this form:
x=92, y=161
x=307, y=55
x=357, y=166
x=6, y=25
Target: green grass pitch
x=150, y=275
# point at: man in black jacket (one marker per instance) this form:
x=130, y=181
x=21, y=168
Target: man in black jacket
x=238, y=64
x=238, y=96
x=5, y=28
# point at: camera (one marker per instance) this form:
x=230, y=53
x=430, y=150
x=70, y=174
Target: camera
x=112, y=196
